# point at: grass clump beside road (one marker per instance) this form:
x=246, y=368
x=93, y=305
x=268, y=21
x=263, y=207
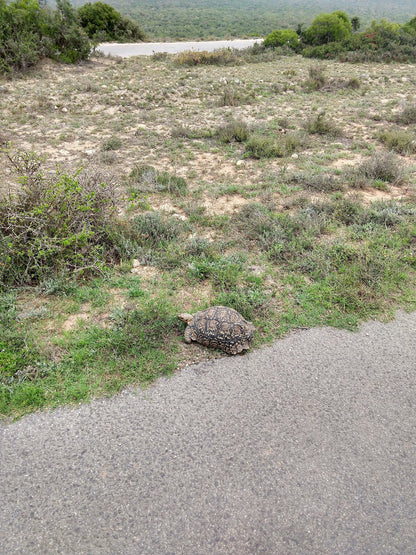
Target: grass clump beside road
x=95, y=360
x=261, y=203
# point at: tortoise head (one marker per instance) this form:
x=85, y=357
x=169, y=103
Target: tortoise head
x=185, y=317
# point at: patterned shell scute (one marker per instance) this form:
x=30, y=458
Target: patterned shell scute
x=222, y=328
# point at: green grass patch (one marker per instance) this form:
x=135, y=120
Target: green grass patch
x=147, y=179
x=136, y=348
x=273, y=146
x=322, y=125
x=402, y=142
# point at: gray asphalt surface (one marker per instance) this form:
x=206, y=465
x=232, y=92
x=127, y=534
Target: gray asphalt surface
x=305, y=447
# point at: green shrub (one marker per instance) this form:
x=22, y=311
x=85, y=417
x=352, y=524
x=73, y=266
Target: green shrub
x=103, y=23
x=328, y=51
x=233, y=96
x=385, y=214
x=328, y=28
x=381, y=42
x=137, y=330
x=321, y=182
x=353, y=83
x=154, y=230
x=235, y=130
x=266, y=146
x=321, y=125
x=108, y=157
x=21, y=43
x=317, y=78
x=54, y=223
x=398, y=140
x=67, y=42
x=408, y=114
x=282, y=37
x=224, y=271
x=29, y=33
x=383, y=166
x=281, y=235
x=261, y=146
x=225, y=56
x=112, y=143
x=252, y=302
x=147, y=178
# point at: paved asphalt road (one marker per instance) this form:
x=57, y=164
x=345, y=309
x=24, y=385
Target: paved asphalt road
x=305, y=447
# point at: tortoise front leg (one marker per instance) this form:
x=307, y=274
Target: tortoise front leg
x=188, y=335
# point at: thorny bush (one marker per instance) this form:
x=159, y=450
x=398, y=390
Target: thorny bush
x=54, y=223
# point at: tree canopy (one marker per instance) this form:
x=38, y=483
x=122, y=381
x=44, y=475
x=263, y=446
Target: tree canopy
x=325, y=28
x=102, y=22
x=282, y=37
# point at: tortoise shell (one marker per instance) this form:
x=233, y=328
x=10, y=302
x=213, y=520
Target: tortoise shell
x=219, y=327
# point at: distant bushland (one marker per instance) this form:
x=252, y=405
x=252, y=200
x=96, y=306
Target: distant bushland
x=332, y=36
x=221, y=19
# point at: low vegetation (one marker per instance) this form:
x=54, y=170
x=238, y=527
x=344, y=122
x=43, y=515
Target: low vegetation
x=335, y=35
x=134, y=190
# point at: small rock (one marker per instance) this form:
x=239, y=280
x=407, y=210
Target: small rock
x=240, y=163
x=167, y=208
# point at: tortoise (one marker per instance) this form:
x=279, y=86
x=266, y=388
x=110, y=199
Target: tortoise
x=220, y=327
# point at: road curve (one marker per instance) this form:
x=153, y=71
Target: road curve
x=308, y=446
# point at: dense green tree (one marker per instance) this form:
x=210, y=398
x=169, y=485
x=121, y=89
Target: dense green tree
x=102, y=22
x=69, y=42
x=342, y=15
x=21, y=43
x=410, y=26
x=282, y=37
x=29, y=33
x=356, y=24
x=326, y=28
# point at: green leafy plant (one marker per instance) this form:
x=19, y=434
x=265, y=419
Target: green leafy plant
x=317, y=78
x=322, y=125
x=147, y=178
x=28, y=33
x=112, y=143
x=325, y=28
x=225, y=56
x=282, y=37
x=235, y=130
x=270, y=146
x=103, y=23
x=407, y=114
x=54, y=223
x=384, y=166
x=398, y=140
